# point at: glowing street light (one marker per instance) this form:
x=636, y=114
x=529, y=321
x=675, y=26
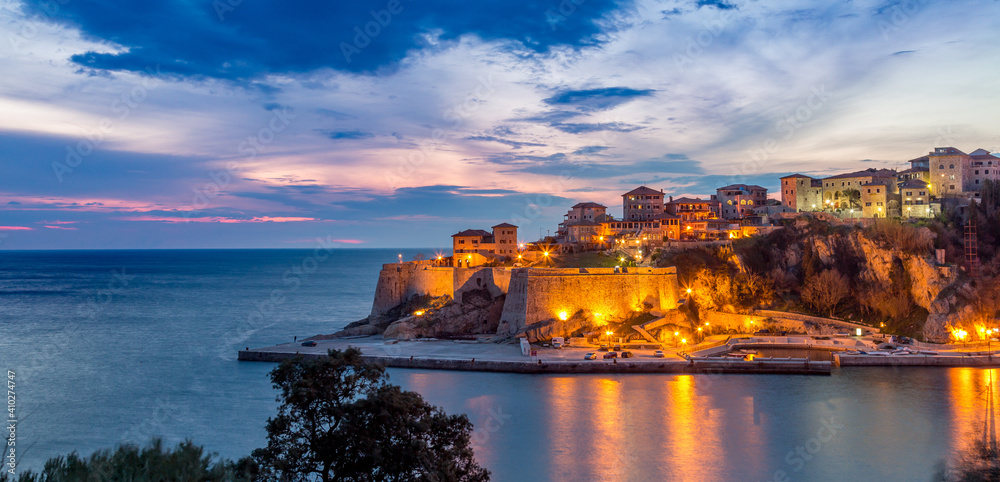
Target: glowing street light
x=563, y=315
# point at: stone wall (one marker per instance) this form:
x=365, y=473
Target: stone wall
x=397, y=282
x=538, y=294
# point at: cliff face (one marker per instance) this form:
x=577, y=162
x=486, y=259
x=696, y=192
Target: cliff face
x=938, y=289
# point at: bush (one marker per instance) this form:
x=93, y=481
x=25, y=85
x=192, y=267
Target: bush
x=893, y=234
x=129, y=462
x=826, y=290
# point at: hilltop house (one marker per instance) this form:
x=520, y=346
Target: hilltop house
x=801, y=193
x=739, y=200
x=474, y=247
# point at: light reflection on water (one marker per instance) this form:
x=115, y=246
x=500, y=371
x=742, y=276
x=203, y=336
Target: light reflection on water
x=889, y=424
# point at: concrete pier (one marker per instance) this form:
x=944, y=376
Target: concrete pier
x=851, y=360
x=492, y=357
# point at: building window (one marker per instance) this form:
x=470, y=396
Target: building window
x=868, y=204
x=951, y=166
x=941, y=166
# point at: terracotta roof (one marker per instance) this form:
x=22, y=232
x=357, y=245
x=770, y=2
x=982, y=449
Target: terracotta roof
x=746, y=187
x=945, y=151
x=795, y=175
x=983, y=155
x=920, y=159
x=913, y=184
x=589, y=205
x=472, y=232
x=914, y=169
x=866, y=173
x=505, y=225
x=643, y=190
x=666, y=216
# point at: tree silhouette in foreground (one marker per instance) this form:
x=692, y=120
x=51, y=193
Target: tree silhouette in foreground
x=339, y=419
x=131, y=463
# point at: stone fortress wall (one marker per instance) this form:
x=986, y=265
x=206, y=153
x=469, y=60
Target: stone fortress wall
x=534, y=294
x=538, y=294
x=397, y=282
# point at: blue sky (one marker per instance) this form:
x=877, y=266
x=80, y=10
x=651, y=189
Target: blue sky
x=397, y=123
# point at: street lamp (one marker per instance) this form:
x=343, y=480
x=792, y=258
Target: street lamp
x=609, y=333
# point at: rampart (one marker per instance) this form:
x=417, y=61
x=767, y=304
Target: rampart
x=534, y=294
x=538, y=294
x=397, y=282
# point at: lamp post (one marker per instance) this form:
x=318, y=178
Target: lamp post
x=609, y=333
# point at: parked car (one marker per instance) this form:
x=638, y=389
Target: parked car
x=764, y=332
x=627, y=354
x=309, y=343
x=658, y=354
x=603, y=348
x=610, y=354
x=557, y=342
x=618, y=348
x=590, y=356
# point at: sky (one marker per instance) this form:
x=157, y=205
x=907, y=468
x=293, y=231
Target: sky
x=371, y=124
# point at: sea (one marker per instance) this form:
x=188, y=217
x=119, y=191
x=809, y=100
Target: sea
x=111, y=347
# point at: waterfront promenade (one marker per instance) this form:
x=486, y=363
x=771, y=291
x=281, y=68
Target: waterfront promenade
x=505, y=357
x=485, y=355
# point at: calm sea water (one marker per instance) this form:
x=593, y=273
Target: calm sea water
x=113, y=346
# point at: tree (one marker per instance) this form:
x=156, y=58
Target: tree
x=339, y=419
x=826, y=290
x=129, y=462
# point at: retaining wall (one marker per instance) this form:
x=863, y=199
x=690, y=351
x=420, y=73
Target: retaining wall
x=397, y=282
x=538, y=294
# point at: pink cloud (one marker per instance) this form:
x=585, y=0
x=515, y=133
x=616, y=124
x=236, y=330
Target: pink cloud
x=60, y=227
x=218, y=219
x=15, y=228
x=411, y=217
x=348, y=241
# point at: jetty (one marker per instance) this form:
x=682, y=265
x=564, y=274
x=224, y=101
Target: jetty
x=504, y=357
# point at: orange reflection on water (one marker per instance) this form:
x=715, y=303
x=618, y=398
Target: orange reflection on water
x=563, y=420
x=609, y=450
x=974, y=398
